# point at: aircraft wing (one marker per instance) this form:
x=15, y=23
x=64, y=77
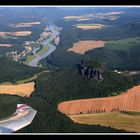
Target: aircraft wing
x=22, y=117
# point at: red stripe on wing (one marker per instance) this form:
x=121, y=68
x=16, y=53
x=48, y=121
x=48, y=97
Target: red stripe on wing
x=22, y=106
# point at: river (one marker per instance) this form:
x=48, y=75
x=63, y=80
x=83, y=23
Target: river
x=47, y=42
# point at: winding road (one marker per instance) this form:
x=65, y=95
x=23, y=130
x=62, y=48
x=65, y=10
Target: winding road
x=47, y=42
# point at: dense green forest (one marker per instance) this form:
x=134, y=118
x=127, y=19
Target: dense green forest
x=11, y=71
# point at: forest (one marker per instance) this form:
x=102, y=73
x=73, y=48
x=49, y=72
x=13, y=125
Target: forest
x=11, y=71
x=61, y=85
x=125, y=57
x=64, y=83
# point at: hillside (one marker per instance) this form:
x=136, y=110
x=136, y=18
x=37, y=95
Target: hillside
x=13, y=71
x=85, y=66
x=114, y=119
x=121, y=37
x=67, y=84
x=63, y=85
x=126, y=101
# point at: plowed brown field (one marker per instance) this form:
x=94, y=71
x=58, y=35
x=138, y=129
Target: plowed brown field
x=6, y=45
x=83, y=46
x=129, y=101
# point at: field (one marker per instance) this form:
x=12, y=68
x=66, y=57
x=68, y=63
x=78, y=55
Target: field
x=107, y=15
x=9, y=37
x=114, y=119
x=72, y=17
x=4, y=33
x=28, y=24
x=120, y=112
x=27, y=80
x=29, y=59
x=89, y=26
x=77, y=18
x=123, y=44
x=20, y=90
x=6, y=45
x=113, y=13
x=43, y=50
x=128, y=101
x=83, y=46
x=19, y=33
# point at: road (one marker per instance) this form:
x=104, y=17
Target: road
x=47, y=42
x=23, y=116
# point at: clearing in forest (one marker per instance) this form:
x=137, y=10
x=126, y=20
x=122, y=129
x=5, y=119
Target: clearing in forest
x=81, y=47
x=89, y=26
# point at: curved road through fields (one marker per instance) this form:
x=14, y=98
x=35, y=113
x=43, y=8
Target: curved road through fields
x=47, y=42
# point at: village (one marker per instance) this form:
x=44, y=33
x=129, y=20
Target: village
x=126, y=73
x=32, y=47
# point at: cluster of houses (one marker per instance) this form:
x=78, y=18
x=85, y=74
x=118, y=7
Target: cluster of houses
x=30, y=46
x=18, y=57
x=44, y=35
x=126, y=72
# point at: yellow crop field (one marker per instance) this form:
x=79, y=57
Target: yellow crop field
x=89, y=26
x=20, y=90
x=113, y=119
x=85, y=45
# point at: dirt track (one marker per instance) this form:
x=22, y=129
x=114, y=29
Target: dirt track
x=129, y=101
x=83, y=46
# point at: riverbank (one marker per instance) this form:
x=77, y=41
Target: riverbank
x=47, y=43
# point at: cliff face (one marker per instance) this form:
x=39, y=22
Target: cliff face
x=89, y=71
